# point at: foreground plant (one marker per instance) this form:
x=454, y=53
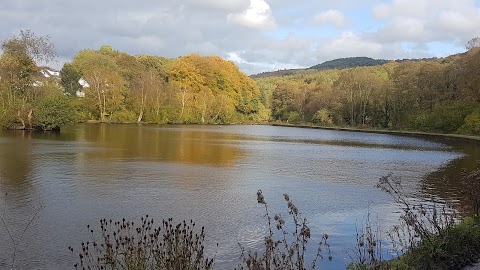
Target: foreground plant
x=419, y=221
x=429, y=235
x=122, y=245
x=288, y=250
x=368, y=252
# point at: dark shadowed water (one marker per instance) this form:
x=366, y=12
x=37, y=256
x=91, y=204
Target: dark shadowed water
x=210, y=174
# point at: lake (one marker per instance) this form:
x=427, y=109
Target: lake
x=62, y=182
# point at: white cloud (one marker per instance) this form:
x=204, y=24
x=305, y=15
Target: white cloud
x=264, y=34
x=331, y=16
x=456, y=22
x=258, y=15
x=234, y=57
x=230, y=5
x=403, y=8
x=403, y=29
x=348, y=44
x=426, y=21
x=254, y=67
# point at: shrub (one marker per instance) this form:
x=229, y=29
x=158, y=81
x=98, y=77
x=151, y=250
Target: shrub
x=53, y=112
x=322, y=117
x=123, y=116
x=367, y=253
x=294, y=117
x=447, y=119
x=456, y=247
x=121, y=245
x=289, y=250
x=428, y=236
x=471, y=124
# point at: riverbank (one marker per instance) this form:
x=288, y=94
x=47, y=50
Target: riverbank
x=469, y=138
x=455, y=247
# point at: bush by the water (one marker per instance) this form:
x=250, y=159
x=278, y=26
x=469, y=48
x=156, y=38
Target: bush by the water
x=428, y=235
x=284, y=248
x=123, y=245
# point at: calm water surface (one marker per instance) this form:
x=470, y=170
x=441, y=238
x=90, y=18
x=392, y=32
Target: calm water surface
x=209, y=174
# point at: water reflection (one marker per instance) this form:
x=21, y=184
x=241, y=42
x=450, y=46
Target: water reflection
x=159, y=144
x=16, y=159
x=210, y=174
x=446, y=183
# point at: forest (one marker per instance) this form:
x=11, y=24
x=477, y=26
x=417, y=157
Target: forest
x=433, y=95
x=121, y=88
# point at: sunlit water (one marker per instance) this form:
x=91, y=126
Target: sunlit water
x=206, y=173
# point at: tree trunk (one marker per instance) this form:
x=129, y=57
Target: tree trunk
x=21, y=120
x=30, y=118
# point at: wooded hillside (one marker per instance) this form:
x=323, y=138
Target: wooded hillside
x=189, y=89
x=121, y=88
x=435, y=96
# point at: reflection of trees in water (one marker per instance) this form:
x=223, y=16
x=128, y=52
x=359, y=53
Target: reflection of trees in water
x=18, y=210
x=16, y=159
x=448, y=182
x=154, y=143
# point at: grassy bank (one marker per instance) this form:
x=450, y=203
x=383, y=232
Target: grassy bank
x=429, y=235
x=456, y=247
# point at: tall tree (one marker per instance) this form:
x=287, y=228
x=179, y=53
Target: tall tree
x=70, y=77
x=186, y=76
x=17, y=69
x=107, y=87
x=473, y=43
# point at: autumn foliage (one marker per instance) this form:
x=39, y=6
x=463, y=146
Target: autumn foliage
x=436, y=95
x=189, y=89
x=430, y=95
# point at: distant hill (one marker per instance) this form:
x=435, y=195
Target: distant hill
x=278, y=73
x=341, y=63
x=349, y=62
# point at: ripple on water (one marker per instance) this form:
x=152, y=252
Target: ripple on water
x=204, y=173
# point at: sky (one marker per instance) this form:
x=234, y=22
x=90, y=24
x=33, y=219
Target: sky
x=258, y=35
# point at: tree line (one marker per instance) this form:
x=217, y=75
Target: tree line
x=188, y=89
x=438, y=95
x=26, y=102
x=435, y=95
x=121, y=88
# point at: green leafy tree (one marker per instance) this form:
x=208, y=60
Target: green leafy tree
x=54, y=112
x=471, y=124
x=17, y=70
x=69, y=79
x=282, y=101
x=107, y=91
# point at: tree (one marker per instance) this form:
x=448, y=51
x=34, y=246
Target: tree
x=154, y=95
x=38, y=48
x=17, y=69
x=54, y=112
x=107, y=87
x=473, y=43
x=357, y=86
x=282, y=101
x=69, y=79
x=187, y=78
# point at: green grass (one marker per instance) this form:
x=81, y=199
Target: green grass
x=457, y=247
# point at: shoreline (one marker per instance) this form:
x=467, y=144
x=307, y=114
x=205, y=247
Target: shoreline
x=419, y=134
